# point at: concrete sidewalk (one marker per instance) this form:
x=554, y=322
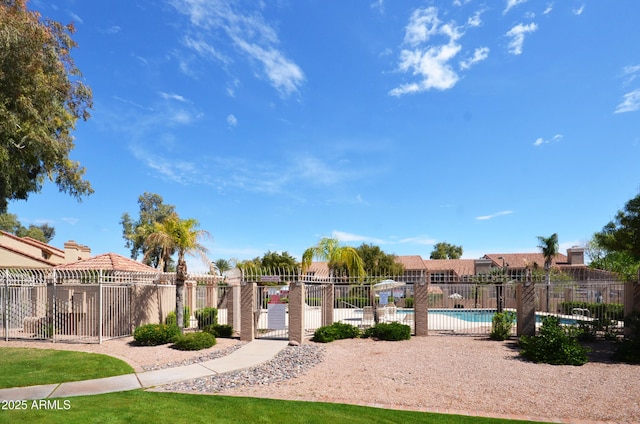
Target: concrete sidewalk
x=249, y=355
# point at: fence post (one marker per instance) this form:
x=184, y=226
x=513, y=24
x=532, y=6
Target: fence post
x=526, y=309
x=296, y=312
x=328, y=294
x=421, y=306
x=247, y=311
x=5, y=309
x=631, y=301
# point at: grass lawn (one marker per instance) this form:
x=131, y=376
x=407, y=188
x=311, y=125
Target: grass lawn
x=151, y=407
x=31, y=367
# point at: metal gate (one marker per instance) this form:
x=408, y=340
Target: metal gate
x=32, y=306
x=272, y=312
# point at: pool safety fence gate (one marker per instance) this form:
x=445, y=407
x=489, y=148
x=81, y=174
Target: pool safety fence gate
x=92, y=306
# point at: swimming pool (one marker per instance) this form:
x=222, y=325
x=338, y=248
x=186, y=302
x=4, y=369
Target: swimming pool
x=483, y=316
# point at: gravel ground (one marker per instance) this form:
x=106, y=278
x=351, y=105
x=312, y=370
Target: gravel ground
x=439, y=373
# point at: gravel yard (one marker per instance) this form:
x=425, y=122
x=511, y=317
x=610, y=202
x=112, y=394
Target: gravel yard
x=435, y=373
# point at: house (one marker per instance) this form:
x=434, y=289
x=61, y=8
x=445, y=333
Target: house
x=26, y=252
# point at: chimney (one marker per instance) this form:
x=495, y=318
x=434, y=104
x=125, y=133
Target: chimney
x=85, y=252
x=575, y=255
x=71, y=252
x=482, y=266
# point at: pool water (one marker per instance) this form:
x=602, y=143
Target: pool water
x=477, y=316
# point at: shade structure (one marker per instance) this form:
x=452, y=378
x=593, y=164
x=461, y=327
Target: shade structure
x=387, y=285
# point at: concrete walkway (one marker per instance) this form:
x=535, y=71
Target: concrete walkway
x=249, y=355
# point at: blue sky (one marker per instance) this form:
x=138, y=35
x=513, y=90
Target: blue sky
x=399, y=123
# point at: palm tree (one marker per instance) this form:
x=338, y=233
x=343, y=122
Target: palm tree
x=549, y=247
x=330, y=250
x=222, y=265
x=181, y=236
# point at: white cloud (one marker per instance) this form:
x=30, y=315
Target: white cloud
x=540, y=141
x=495, y=215
x=204, y=49
x=113, y=30
x=250, y=35
x=579, y=10
x=76, y=17
x=479, y=55
x=511, y=4
x=419, y=240
x=232, y=121
x=548, y=9
x=171, y=96
x=517, y=34
x=630, y=103
x=475, y=21
x=348, y=237
x=378, y=5
x=630, y=72
x=428, y=61
x=69, y=220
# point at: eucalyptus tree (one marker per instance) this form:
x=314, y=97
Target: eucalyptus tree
x=42, y=96
x=153, y=210
x=183, y=237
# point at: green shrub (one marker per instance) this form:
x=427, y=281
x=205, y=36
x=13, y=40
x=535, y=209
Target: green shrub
x=501, y=325
x=613, y=311
x=172, y=320
x=554, y=345
x=599, y=327
x=155, y=334
x=408, y=302
x=629, y=349
x=194, y=341
x=206, y=317
x=219, y=330
x=391, y=331
x=335, y=331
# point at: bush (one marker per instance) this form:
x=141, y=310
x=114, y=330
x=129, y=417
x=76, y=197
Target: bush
x=219, y=330
x=408, y=302
x=392, y=331
x=194, y=341
x=554, y=345
x=613, y=311
x=501, y=325
x=206, y=317
x=155, y=334
x=629, y=349
x=335, y=331
x=172, y=320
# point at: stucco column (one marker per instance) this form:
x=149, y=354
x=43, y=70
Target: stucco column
x=247, y=311
x=328, y=294
x=296, y=312
x=421, y=306
x=526, y=309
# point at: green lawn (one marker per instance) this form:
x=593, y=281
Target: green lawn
x=25, y=367
x=31, y=367
x=150, y=407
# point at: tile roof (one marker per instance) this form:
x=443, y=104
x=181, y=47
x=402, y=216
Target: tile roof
x=458, y=266
x=109, y=262
x=411, y=262
x=522, y=260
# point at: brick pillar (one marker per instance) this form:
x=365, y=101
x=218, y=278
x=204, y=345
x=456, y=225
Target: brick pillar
x=421, y=306
x=327, y=304
x=631, y=301
x=526, y=305
x=247, y=311
x=296, y=312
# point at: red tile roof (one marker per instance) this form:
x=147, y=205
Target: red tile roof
x=458, y=266
x=109, y=262
x=411, y=262
x=522, y=260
